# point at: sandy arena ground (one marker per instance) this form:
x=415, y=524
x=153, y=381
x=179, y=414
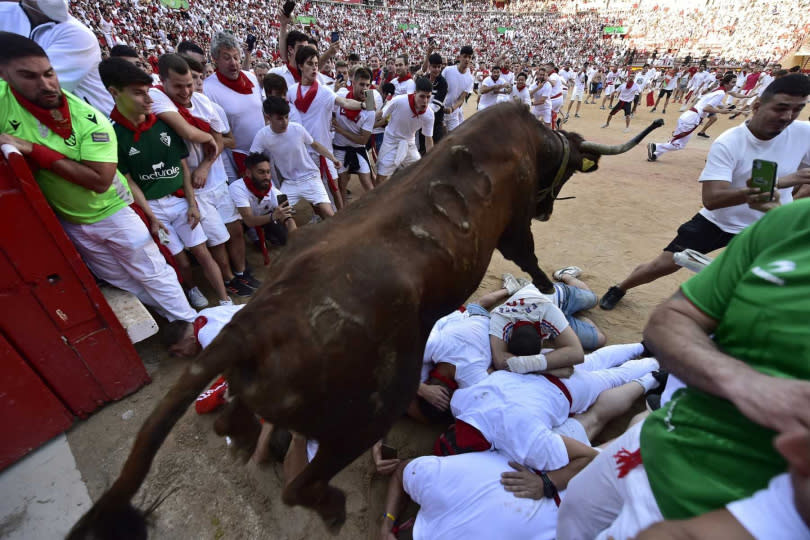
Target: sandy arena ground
x=623, y=214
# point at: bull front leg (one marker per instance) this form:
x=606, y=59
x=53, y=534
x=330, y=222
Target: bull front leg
x=518, y=247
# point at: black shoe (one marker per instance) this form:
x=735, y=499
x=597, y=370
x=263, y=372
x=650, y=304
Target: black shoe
x=651, y=152
x=703, y=135
x=238, y=288
x=660, y=375
x=652, y=110
x=248, y=279
x=653, y=402
x=611, y=298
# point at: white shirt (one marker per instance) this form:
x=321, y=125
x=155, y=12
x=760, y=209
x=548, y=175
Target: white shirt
x=490, y=98
x=201, y=107
x=318, y=118
x=628, y=94
x=244, y=111
x=670, y=82
x=545, y=90
x=731, y=158
x=365, y=122
x=460, y=339
x=528, y=304
x=217, y=318
x=461, y=497
x=71, y=47
x=712, y=99
x=556, y=85
x=402, y=125
x=457, y=83
x=770, y=513
x=642, y=80
x=610, y=78
x=243, y=198
x=408, y=86
x=522, y=95
x=764, y=81
x=288, y=151
x=580, y=80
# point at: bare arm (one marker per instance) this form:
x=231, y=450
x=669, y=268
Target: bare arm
x=318, y=147
x=394, y=501
x=228, y=140
x=428, y=144
x=567, y=353
x=349, y=104
x=720, y=194
x=358, y=138
x=188, y=190
x=282, y=35
x=525, y=483
x=718, y=525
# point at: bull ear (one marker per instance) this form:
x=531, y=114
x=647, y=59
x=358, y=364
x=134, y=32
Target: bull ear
x=589, y=163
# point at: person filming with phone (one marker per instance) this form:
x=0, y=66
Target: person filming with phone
x=774, y=138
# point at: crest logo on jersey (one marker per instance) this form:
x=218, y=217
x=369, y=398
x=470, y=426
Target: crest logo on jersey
x=165, y=138
x=71, y=141
x=133, y=151
x=14, y=124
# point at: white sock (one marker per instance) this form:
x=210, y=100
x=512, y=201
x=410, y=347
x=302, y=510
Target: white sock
x=647, y=382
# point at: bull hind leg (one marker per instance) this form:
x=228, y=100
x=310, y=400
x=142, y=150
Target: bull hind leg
x=518, y=247
x=239, y=423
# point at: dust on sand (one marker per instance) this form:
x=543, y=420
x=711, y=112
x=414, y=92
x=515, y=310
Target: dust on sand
x=623, y=214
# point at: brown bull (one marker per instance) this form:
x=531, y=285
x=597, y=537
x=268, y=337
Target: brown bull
x=331, y=345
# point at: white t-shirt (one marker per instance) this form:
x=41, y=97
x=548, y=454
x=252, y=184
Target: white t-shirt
x=731, y=158
x=243, y=198
x=628, y=94
x=566, y=76
x=610, y=78
x=462, y=497
x=556, y=85
x=217, y=318
x=642, y=80
x=770, y=513
x=670, y=82
x=545, y=90
x=402, y=124
x=579, y=81
x=245, y=115
x=712, y=99
x=765, y=80
x=365, y=122
x=490, y=98
x=201, y=107
x=318, y=118
x=460, y=339
x=528, y=304
x=521, y=95
x=457, y=83
x=285, y=72
x=408, y=86
x=71, y=47
x=288, y=151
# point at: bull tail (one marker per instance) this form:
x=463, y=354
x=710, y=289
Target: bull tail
x=113, y=515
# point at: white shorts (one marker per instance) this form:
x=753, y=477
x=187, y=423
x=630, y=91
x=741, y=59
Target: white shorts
x=609, y=89
x=310, y=190
x=330, y=165
x=395, y=154
x=341, y=155
x=173, y=213
x=578, y=94
x=556, y=103
x=213, y=204
x=543, y=114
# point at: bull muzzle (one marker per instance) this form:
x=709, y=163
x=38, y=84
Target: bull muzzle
x=614, y=149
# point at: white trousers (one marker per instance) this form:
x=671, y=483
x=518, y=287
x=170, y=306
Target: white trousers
x=396, y=154
x=689, y=120
x=598, y=504
x=452, y=120
x=120, y=250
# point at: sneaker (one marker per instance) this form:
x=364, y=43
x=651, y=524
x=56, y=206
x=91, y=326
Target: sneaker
x=602, y=108
x=577, y=116
x=573, y=271
x=227, y=302
x=701, y=134
x=213, y=398
x=604, y=125
x=248, y=279
x=197, y=298
x=664, y=111
x=626, y=130
x=611, y=298
x=567, y=115
x=513, y=284
x=238, y=287
x=651, y=152
x=652, y=110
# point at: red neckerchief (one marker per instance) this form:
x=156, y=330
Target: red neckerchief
x=354, y=116
x=412, y=103
x=198, y=123
x=294, y=72
x=302, y=103
x=242, y=85
x=148, y=121
x=407, y=77
x=504, y=71
x=630, y=84
x=520, y=86
x=62, y=127
x=260, y=194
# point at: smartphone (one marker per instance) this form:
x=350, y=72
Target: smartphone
x=370, y=104
x=388, y=452
x=763, y=176
x=288, y=8
x=334, y=37
x=251, y=42
x=282, y=199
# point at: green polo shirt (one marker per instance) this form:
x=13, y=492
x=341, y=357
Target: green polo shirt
x=699, y=451
x=93, y=139
x=154, y=160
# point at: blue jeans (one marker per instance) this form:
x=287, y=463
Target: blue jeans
x=573, y=300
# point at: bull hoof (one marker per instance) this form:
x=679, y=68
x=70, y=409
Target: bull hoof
x=333, y=510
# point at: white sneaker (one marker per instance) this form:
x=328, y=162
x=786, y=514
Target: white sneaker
x=604, y=125
x=227, y=302
x=626, y=130
x=197, y=299
x=573, y=271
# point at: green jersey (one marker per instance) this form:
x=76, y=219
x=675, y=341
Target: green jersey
x=154, y=160
x=92, y=139
x=699, y=451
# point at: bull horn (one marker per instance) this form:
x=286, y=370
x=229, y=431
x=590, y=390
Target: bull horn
x=613, y=149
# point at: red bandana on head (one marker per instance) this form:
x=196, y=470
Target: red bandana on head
x=259, y=193
x=242, y=85
x=407, y=77
x=412, y=103
x=198, y=123
x=57, y=120
x=148, y=121
x=295, y=73
x=302, y=103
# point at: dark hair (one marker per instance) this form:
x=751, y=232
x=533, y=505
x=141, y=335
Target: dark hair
x=423, y=84
x=466, y=49
x=123, y=51
x=388, y=88
x=295, y=37
x=276, y=105
x=273, y=82
x=404, y=58
x=780, y=73
x=254, y=158
x=304, y=54
x=353, y=57
x=120, y=73
x=435, y=59
x=727, y=78
x=189, y=46
x=312, y=41
x=362, y=73
x=173, y=62
x=195, y=66
x=14, y=46
x=524, y=341
x=522, y=74
x=795, y=69
x=495, y=66
x=794, y=84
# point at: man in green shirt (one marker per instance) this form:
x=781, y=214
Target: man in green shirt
x=737, y=335
x=72, y=149
x=153, y=158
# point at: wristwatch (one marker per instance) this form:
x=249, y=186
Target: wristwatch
x=549, y=489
